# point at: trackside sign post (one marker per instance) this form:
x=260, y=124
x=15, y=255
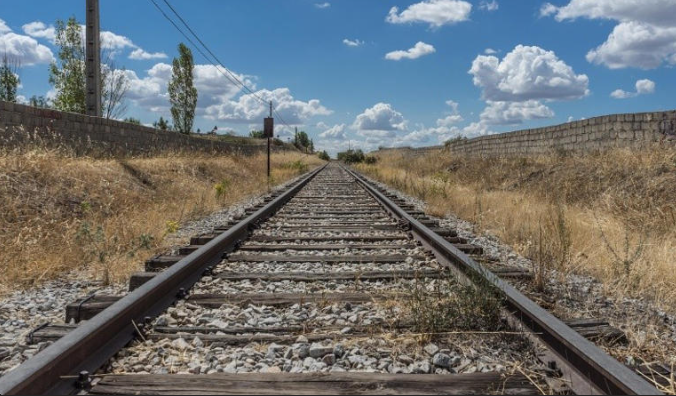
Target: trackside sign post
x=269, y=133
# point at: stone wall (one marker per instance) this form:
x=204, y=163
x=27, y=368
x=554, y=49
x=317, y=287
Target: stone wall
x=93, y=136
x=639, y=130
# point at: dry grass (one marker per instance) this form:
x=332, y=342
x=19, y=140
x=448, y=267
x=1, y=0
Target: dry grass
x=610, y=215
x=61, y=212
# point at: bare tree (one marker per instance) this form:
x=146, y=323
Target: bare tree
x=114, y=87
x=114, y=90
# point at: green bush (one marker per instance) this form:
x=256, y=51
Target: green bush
x=299, y=166
x=323, y=155
x=222, y=188
x=356, y=157
x=370, y=160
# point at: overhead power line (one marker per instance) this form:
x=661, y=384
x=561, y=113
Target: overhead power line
x=213, y=59
x=241, y=83
x=190, y=40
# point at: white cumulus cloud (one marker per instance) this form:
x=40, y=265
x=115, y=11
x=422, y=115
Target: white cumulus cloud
x=656, y=12
x=40, y=30
x=150, y=91
x=109, y=40
x=451, y=119
x=4, y=28
x=434, y=12
x=636, y=44
x=112, y=41
x=420, y=49
x=643, y=87
x=336, y=132
x=645, y=36
x=548, y=9
x=527, y=72
x=353, y=43
x=24, y=49
x=248, y=109
x=380, y=120
x=140, y=54
x=513, y=113
x=423, y=136
x=489, y=6
x=323, y=5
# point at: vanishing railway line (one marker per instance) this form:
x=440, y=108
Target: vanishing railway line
x=314, y=291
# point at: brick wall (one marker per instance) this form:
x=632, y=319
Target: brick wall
x=95, y=136
x=638, y=130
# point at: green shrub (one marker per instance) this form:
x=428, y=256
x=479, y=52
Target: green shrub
x=323, y=155
x=299, y=166
x=222, y=188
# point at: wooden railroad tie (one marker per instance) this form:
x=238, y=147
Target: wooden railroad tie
x=79, y=311
x=138, y=279
x=315, y=384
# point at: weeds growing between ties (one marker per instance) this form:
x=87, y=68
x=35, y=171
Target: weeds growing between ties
x=61, y=212
x=610, y=215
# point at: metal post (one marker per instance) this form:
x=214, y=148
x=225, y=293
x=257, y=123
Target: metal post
x=269, y=149
x=93, y=54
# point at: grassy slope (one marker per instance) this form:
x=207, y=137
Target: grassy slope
x=611, y=215
x=60, y=213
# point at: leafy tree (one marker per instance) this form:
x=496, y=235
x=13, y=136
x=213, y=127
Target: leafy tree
x=132, y=120
x=355, y=157
x=39, y=101
x=323, y=155
x=257, y=134
x=68, y=76
x=161, y=124
x=182, y=91
x=312, y=146
x=301, y=140
x=9, y=80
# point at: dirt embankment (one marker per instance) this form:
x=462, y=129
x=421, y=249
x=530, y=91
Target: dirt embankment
x=609, y=215
x=58, y=212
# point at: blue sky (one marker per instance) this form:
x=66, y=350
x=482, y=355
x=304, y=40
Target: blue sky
x=364, y=71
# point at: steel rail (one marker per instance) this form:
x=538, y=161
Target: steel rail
x=602, y=373
x=55, y=369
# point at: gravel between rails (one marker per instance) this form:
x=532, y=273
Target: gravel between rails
x=382, y=350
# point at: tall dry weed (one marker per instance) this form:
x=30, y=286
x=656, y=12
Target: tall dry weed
x=550, y=208
x=60, y=212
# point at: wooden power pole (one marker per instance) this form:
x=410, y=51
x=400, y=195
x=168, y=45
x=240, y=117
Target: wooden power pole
x=93, y=54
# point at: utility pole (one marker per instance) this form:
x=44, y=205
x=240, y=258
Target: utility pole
x=269, y=132
x=269, y=136
x=93, y=54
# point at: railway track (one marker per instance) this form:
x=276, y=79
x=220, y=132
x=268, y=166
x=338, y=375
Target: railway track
x=322, y=289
